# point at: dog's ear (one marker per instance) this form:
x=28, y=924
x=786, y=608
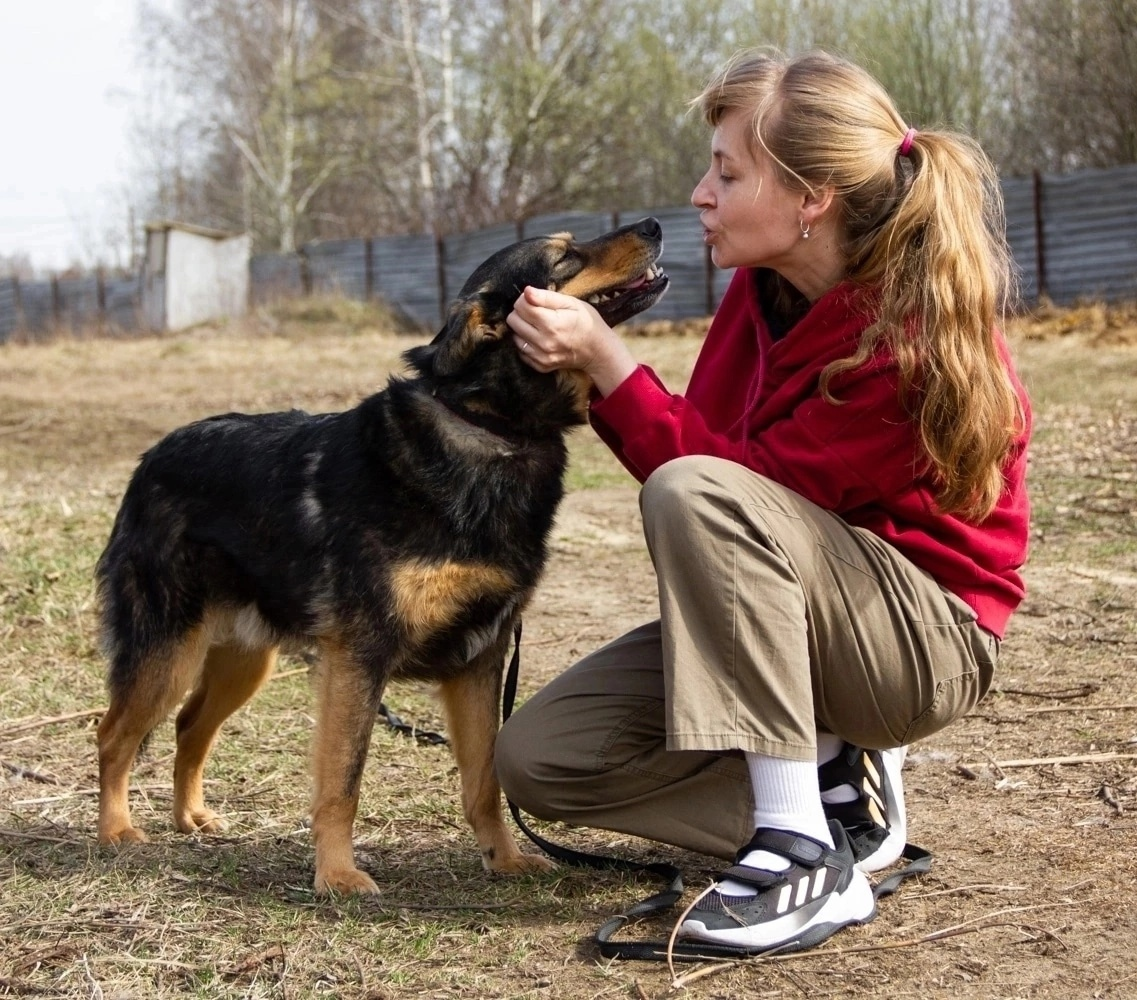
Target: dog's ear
x=467, y=326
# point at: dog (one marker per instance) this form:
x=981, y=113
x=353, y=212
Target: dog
x=401, y=539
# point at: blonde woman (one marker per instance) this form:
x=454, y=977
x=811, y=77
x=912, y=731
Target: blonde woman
x=835, y=508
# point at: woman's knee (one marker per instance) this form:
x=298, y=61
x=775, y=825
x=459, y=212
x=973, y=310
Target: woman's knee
x=673, y=492
x=516, y=760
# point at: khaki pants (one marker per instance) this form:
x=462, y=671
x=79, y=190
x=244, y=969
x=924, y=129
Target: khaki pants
x=777, y=619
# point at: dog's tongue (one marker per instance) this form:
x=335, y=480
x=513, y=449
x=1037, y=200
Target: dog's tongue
x=638, y=282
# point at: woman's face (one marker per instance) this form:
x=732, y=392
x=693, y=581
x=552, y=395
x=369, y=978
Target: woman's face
x=750, y=219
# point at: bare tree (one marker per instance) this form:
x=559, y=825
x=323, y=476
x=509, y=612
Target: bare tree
x=249, y=77
x=1074, y=87
x=307, y=119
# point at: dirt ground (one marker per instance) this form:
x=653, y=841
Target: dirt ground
x=1028, y=803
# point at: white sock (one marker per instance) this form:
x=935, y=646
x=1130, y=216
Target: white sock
x=787, y=797
x=828, y=746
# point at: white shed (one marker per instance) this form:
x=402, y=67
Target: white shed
x=191, y=274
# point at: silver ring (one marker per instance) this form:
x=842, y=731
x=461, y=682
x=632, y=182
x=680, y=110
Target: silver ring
x=524, y=346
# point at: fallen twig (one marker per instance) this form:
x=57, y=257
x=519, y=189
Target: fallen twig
x=1062, y=694
x=978, y=887
x=967, y=927
x=25, y=425
x=18, y=987
x=79, y=793
x=37, y=836
x=96, y=988
x=1088, y=758
x=161, y=963
x=23, y=727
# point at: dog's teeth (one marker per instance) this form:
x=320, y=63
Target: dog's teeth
x=594, y=300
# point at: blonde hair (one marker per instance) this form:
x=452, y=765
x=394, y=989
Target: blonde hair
x=925, y=235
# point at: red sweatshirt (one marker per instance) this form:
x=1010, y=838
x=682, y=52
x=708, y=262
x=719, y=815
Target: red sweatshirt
x=755, y=400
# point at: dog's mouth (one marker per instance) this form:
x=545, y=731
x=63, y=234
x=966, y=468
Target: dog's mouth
x=622, y=302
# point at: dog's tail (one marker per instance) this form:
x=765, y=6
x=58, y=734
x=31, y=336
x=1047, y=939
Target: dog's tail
x=149, y=594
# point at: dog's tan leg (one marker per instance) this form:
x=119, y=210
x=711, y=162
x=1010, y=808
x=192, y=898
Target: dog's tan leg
x=348, y=701
x=471, y=704
x=155, y=687
x=231, y=677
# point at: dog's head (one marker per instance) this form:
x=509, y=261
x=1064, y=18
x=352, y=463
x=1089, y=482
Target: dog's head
x=473, y=352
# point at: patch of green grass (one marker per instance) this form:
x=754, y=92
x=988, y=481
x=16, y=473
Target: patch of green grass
x=593, y=466
x=1117, y=550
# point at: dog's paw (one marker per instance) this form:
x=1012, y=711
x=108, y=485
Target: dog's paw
x=345, y=882
x=120, y=836
x=200, y=821
x=519, y=864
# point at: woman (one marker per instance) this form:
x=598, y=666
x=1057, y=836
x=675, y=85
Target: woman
x=835, y=508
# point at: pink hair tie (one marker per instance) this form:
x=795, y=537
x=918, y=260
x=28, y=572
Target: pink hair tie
x=906, y=142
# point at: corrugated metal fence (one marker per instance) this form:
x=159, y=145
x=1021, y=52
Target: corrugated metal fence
x=1073, y=237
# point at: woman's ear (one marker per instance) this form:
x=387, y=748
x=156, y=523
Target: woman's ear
x=817, y=202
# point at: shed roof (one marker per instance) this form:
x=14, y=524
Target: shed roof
x=165, y=225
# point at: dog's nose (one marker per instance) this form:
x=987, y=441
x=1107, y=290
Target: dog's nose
x=650, y=228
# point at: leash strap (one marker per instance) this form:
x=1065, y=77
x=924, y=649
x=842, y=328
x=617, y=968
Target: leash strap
x=919, y=862
x=422, y=735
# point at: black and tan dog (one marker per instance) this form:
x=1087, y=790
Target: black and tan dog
x=403, y=538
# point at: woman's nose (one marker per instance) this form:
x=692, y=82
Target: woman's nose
x=701, y=196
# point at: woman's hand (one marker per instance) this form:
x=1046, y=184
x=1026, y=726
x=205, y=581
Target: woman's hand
x=555, y=331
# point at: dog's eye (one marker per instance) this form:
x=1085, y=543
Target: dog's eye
x=567, y=267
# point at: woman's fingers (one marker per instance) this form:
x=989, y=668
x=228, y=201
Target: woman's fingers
x=552, y=330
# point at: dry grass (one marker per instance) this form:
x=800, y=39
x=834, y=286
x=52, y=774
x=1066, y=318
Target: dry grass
x=1035, y=864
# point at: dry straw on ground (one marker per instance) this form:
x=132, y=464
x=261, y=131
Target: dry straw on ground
x=1029, y=802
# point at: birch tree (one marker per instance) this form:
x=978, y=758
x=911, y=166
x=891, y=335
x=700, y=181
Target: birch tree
x=250, y=75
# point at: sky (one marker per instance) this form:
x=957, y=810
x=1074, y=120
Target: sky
x=68, y=77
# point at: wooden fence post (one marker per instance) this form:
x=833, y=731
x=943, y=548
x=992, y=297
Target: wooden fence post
x=1039, y=237
x=100, y=300
x=440, y=273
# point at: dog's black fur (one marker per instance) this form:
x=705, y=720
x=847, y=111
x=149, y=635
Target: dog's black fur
x=403, y=537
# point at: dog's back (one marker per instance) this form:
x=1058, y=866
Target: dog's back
x=201, y=516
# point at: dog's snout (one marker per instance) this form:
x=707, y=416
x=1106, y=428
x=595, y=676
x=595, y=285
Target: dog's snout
x=649, y=228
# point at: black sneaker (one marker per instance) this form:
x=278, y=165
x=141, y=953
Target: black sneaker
x=875, y=820
x=821, y=892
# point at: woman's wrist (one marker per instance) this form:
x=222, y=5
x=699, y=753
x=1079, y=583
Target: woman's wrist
x=611, y=368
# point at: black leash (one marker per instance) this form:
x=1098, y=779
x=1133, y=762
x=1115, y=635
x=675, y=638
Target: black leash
x=422, y=735
x=919, y=862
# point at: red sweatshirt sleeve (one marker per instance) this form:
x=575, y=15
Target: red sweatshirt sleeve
x=840, y=456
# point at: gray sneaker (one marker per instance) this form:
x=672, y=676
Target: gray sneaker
x=821, y=892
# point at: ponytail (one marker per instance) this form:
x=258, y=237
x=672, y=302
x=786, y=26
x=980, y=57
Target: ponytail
x=942, y=268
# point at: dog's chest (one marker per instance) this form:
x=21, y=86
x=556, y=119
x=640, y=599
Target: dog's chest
x=464, y=603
